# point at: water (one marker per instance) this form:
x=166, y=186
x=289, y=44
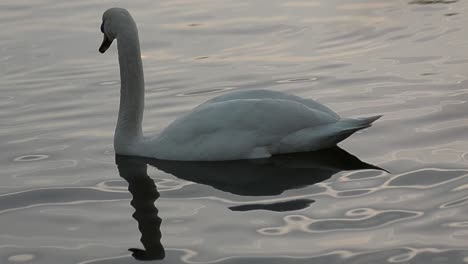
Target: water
x=64, y=198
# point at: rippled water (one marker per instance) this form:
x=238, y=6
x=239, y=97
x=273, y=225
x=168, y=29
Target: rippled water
x=66, y=198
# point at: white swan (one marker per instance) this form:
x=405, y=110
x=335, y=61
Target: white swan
x=239, y=125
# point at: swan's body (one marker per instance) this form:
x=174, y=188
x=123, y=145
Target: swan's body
x=239, y=125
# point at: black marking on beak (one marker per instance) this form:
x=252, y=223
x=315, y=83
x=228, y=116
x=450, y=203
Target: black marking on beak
x=106, y=42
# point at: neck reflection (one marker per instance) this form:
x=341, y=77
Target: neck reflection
x=144, y=194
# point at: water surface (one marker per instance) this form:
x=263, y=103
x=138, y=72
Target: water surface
x=66, y=198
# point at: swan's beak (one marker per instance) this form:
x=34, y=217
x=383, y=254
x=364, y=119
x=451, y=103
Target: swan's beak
x=106, y=42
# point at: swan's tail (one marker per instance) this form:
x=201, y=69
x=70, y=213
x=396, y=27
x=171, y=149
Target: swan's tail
x=321, y=137
x=360, y=122
x=348, y=126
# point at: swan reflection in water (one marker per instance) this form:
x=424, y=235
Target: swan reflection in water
x=144, y=194
x=263, y=177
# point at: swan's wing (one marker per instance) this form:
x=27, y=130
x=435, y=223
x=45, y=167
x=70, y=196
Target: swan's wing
x=235, y=129
x=269, y=94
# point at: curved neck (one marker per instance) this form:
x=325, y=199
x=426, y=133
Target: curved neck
x=132, y=91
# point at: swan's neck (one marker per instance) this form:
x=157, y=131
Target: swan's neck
x=128, y=131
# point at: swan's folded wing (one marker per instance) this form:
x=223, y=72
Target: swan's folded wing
x=269, y=94
x=233, y=129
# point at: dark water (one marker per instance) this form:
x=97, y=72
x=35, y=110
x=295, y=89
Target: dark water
x=66, y=198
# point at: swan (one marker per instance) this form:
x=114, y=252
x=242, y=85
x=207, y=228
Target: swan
x=247, y=124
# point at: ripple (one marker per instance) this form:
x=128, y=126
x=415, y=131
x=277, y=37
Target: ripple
x=6, y=58
x=428, y=2
x=413, y=59
x=40, y=197
x=402, y=257
x=296, y=219
x=108, y=83
x=456, y=203
x=458, y=224
x=377, y=220
x=54, y=148
x=296, y=80
x=21, y=258
x=426, y=178
x=371, y=219
x=293, y=223
x=353, y=193
x=35, y=157
x=113, y=186
x=460, y=61
x=171, y=184
x=273, y=231
x=367, y=174
x=360, y=212
x=6, y=98
x=444, y=125
x=205, y=91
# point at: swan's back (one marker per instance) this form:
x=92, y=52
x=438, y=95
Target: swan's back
x=269, y=94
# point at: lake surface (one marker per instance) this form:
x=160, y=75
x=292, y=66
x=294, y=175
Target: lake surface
x=66, y=198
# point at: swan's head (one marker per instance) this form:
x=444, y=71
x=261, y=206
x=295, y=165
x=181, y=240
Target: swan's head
x=114, y=22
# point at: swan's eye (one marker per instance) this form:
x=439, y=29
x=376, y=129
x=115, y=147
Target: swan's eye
x=102, y=27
